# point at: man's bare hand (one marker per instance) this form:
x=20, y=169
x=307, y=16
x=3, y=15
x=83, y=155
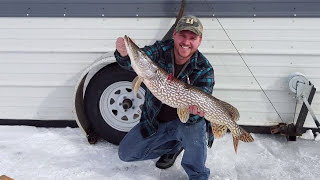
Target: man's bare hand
x=194, y=110
x=120, y=46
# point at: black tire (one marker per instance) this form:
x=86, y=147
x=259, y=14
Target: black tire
x=107, y=122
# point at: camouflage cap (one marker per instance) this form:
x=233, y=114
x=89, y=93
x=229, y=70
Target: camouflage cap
x=190, y=23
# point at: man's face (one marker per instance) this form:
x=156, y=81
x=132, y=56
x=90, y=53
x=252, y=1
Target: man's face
x=185, y=44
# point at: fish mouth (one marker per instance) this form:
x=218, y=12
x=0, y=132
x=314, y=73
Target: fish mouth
x=129, y=43
x=126, y=38
x=126, y=41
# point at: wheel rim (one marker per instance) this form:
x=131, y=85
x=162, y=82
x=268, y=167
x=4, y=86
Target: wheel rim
x=119, y=107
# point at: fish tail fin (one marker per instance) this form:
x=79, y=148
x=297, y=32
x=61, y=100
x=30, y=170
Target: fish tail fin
x=244, y=136
x=235, y=143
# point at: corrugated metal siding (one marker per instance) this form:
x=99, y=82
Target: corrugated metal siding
x=41, y=59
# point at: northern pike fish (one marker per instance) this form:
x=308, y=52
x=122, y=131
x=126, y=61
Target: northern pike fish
x=177, y=94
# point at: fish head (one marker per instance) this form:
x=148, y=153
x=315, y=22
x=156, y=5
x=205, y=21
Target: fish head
x=140, y=61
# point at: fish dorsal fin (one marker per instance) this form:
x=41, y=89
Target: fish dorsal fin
x=136, y=83
x=183, y=114
x=218, y=130
x=234, y=113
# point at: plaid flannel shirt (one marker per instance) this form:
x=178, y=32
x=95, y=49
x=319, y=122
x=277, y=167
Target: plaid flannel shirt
x=198, y=72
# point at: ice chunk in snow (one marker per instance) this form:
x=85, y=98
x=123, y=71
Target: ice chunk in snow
x=308, y=135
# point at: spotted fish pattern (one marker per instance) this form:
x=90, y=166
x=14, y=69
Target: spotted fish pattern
x=177, y=94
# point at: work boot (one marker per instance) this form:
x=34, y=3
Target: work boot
x=167, y=160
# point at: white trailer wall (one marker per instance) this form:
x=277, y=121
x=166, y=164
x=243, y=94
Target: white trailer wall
x=41, y=59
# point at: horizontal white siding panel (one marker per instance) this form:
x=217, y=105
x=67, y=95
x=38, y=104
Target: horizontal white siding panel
x=36, y=102
x=30, y=45
x=93, y=45
x=92, y=34
x=225, y=59
x=225, y=47
x=160, y=23
x=55, y=102
x=49, y=58
x=32, y=68
x=36, y=92
x=273, y=35
x=282, y=60
x=254, y=96
x=42, y=58
x=37, y=113
x=54, y=80
x=88, y=23
x=270, y=23
x=271, y=71
x=278, y=46
x=259, y=118
x=280, y=84
x=79, y=34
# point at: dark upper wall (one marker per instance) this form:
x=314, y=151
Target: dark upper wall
x=159, y=8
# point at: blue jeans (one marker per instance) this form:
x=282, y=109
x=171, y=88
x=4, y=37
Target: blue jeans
x=170, y=137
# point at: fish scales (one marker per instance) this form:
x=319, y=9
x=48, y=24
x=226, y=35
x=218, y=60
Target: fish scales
x=184, y=95
x=177, y=94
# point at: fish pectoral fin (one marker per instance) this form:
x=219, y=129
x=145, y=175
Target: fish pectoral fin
x=246, y=137
x=136, y=83
x=183, y=114
x=218, y=130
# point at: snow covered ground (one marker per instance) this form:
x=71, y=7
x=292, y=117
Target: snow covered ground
x=49, y=153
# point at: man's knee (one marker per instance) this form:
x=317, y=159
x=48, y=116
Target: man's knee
x=123, y=153
x=122, y=156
